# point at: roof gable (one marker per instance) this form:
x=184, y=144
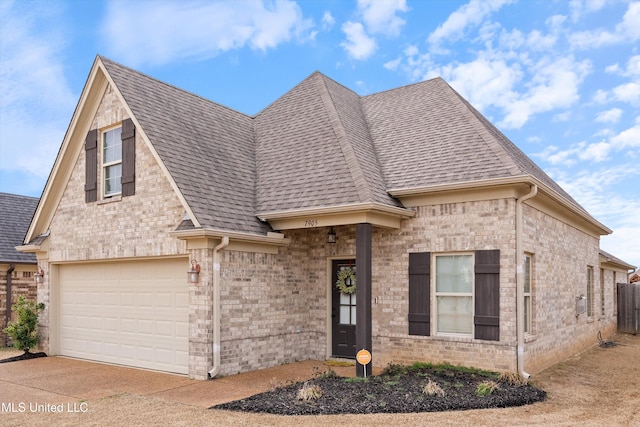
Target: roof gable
x=207, y=148
x=17, y=212
x=314, y=150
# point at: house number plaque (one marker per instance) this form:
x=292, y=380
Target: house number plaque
x=311, y=223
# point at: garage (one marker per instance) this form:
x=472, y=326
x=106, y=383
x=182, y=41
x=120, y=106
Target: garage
x=132, y=313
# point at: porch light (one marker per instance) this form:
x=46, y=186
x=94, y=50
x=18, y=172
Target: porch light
x=331, y=235
x=193, y=274
x=39, y=275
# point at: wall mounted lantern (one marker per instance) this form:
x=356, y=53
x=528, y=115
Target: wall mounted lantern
x=331, y=235
x=39, y=275
x=194, y=272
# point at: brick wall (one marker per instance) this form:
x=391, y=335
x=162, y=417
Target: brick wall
x=561, y=254
x=22, y=284
x=127, y=227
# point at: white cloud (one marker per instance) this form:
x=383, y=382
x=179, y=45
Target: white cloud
x=327, y=20
x=626, y=31
x=580, y=7
x=628, y=92
x=554, y=84
x=470, y=15
x=609, y=116
x=628, y=138
x=593, y=152
x=358, y=44
x=379, y=16
x=596, y=191
x=187, y=30
x=35, y=99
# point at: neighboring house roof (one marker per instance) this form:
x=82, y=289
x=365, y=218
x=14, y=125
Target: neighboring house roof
x=16, y=213
x=607, y=257
x=319, y=146
x=635, y=277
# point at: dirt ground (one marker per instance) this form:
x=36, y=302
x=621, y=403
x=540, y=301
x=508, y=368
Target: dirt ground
x=596, y=388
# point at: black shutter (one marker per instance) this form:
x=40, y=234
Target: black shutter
x=128, y=158
x=419, y=294
x=487, y=295
x=91, y=166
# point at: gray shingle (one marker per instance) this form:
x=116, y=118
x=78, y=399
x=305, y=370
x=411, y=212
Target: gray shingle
x=16, y=213
x=207, y=148
x=318, y=145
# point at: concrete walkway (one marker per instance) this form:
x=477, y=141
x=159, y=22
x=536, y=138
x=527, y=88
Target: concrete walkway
x=55, y=380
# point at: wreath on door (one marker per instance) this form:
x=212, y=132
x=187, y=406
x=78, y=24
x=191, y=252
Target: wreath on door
x=346, y=282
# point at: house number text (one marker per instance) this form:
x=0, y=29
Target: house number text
x=311, y=223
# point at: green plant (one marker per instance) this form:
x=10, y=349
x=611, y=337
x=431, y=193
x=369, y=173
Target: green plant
x=24, y=331
x=433, y=389
x=309, y=392
x=355, y=380
x=486, y=388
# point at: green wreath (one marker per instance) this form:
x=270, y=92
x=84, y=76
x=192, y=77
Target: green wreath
x=343, y=276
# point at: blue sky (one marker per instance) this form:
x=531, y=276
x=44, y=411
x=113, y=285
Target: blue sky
x=560, y=78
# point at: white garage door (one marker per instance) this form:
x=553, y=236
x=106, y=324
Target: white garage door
x=130, y=313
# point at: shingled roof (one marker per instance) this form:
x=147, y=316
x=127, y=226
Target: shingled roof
x=16, y=213
x=208, y=148
x=319, y=145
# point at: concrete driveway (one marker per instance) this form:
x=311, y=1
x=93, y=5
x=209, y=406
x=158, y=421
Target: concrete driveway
x=595, y=388
x=56, y=380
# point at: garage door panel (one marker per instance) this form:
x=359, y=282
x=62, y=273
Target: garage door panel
x=132, y=313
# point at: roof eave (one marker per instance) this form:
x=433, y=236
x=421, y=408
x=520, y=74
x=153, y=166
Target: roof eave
x=503, y=182
x=374, y=213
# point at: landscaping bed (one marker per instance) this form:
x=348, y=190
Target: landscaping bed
x=399, y=389
x=23, y=356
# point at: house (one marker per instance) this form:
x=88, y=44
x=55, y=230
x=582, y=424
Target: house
x=17, y=269
x=180, y=235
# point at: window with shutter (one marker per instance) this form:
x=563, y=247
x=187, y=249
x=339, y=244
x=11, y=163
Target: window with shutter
x=419, y=294
x=487, y=295
x=91, y=166
x=128, y=158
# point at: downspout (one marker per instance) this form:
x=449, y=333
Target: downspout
x=520, y=281
x=215, y=308
x=8, y=310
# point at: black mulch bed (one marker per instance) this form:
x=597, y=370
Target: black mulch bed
x=24, y=356
x=394, y=391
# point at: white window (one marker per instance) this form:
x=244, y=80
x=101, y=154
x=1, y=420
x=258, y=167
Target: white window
x=454, y=294
x=112, y=162
x=527, y=294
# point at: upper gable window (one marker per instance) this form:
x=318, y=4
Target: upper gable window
x=112, y=161
x=116, y=166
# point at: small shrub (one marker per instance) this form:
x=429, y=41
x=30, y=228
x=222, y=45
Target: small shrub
x=328, y=373
x=486, y=388
x=309, y=392
x=433, y=389
x=394, y=370
x=24, y=331
x=512, y=378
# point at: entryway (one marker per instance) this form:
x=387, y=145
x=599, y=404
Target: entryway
x=343, y=309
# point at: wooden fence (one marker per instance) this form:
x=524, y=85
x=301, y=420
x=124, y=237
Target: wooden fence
x=628, y=308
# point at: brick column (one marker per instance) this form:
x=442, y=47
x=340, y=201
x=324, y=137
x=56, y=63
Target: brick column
x=363, y=293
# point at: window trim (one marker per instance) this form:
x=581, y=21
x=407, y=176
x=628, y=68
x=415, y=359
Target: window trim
x=590, y=291
x=437, y=294
x=104, y=165
x=527, y=295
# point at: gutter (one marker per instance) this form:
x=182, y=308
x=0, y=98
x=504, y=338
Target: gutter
x=520, y=281
x=215, y=308
x=12, y=267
